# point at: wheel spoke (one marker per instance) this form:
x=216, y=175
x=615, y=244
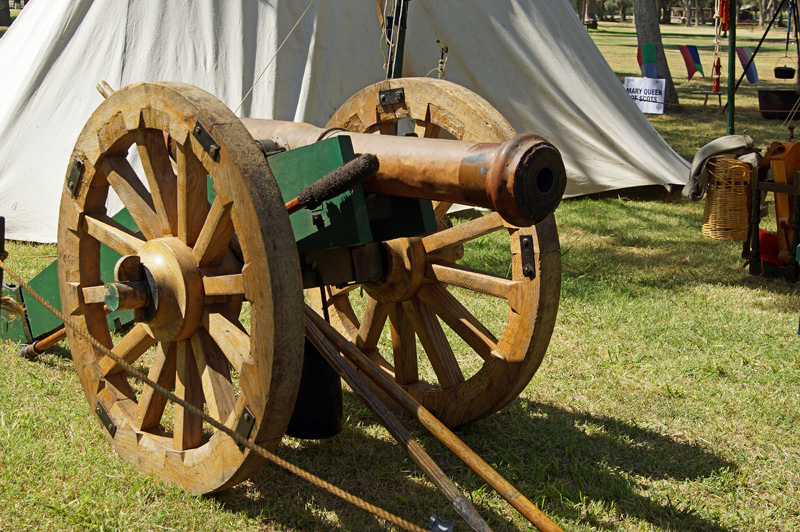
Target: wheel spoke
x=348, y=318
x=440, y=209
x=121, y=390
x=477, y=281
x=428, y=130
x=188, y=432
x=369, y=333
x=112, y=234
x=215, y=236
x=458, y=318
x=224, y=285
x=157, y=167
x=130, y=348
x=133, y=194
x=387, y=128
x=462, y=233
x=435, y=343
x=192, y=195
x=151, y=403
x=215, y=376
x=404, y=345
x=230, y=337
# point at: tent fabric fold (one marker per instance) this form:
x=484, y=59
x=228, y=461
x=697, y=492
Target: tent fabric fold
x=531, y=59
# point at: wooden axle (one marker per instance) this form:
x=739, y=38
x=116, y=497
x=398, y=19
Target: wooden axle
x=523, y=179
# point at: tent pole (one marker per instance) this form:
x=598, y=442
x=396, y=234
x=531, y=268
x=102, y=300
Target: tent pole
x=731, y=64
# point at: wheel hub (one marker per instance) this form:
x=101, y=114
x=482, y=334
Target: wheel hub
x=406, y=271
x=175, y=287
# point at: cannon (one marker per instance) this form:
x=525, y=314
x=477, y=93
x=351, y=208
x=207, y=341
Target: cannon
x=214, y=268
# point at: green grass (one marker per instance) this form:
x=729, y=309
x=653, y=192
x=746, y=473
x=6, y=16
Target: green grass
x=668, y=401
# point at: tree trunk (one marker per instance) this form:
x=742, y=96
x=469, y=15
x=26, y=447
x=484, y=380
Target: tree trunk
x=698, y=12
x=648, y=32
x=5, y=13
x=665, y=7
x=590, y=16
x=580, y=7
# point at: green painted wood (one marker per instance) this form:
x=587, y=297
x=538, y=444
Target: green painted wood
x=339, y=222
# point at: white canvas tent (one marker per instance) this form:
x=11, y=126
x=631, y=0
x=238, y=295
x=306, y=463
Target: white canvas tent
x=531, y=59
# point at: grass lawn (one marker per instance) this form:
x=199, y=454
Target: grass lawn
x=669, y=398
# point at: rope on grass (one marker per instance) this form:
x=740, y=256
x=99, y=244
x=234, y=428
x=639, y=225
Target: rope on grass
x=305, y=475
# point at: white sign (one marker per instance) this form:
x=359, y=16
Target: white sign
x=648, y=93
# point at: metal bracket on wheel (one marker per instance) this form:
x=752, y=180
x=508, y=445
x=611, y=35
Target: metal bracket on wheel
x=206, y=140
x=74, y=176
x=526, y=250
x=245, y=424
x=105, y=419
x=392, y=96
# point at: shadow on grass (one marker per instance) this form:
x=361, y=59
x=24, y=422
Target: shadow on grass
x=638, y=249
x=565, y=461
x=374, y=469
x=573, y=459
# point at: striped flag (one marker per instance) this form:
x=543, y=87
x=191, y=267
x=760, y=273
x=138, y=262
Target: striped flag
x=646, y=56
x=692, y=60
x=744, y=57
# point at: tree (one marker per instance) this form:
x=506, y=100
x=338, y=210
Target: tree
x=766, y=11
x=648, y=32
x=665, y=8
x=590, y=16
x=5, y=13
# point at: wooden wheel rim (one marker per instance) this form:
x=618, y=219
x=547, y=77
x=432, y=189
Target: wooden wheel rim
x=198, y=361
x=510, y=362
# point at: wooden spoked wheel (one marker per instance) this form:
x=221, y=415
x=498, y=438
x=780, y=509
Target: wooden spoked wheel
x=190, y=337
x=474, y=368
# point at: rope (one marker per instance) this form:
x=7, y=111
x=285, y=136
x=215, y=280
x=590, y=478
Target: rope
x=791, y=114
x=273, y=57
x=384, y=39
x=309, y=477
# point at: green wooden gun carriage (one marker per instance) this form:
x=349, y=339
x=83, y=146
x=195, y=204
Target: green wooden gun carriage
x=215, y=268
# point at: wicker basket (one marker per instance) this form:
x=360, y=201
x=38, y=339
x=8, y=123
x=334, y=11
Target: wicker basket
x=725, y=216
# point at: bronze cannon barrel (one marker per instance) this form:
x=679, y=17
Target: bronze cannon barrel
x=522, y=179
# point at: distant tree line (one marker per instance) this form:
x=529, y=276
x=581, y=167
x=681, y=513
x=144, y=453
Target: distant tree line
x=694, y=12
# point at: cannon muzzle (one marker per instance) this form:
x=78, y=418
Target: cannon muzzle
x=522, y=179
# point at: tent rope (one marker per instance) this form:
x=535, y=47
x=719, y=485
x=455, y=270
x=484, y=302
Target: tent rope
x=305, y=475
x=273, y=57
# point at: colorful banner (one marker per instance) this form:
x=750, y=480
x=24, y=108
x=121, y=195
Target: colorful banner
x=692, y=60
x=646, y=56
x=744, y=57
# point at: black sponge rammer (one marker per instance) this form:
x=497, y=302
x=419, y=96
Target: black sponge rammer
x=344, y=178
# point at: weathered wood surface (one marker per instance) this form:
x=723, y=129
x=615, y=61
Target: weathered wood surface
x=192, y=341
x=415, y=297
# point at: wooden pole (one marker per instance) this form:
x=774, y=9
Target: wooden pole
x=433, y=425
x=31, y=351
x=461, y=504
